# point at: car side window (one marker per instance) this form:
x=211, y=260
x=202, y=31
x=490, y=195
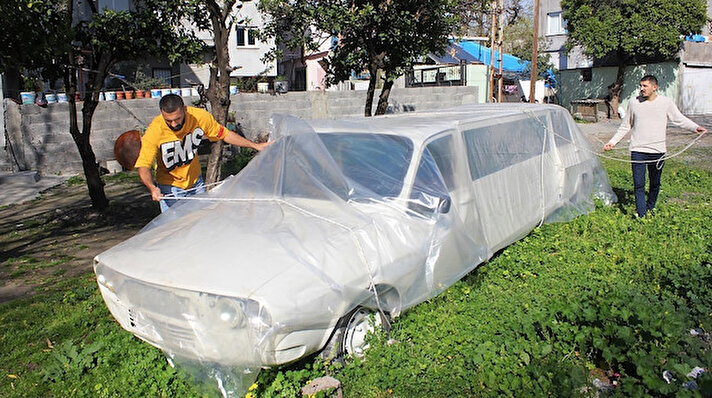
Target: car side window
x=442, y=151
x=496, y=147
x=429, y=193
x=376, y=163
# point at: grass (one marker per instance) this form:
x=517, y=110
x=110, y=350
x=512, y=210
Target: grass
x=604, y=296
x=25, y=264
x=75, y=180
x=66, y=343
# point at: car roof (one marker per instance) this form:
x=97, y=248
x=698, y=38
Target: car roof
x=421, y=125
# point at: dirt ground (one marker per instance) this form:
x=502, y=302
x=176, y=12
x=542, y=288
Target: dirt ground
x=699, y=155
x=57, y=235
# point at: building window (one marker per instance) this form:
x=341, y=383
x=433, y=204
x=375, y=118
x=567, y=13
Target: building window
x=555, y=24
x=360, y=75
x=116, y=5
x=586, y=74
x=163, y=74
x=246, y=37
x=563, y=60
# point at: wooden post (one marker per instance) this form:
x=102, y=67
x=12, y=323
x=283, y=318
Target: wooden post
x=535, y=53
x=500, y=80
x=493, y=21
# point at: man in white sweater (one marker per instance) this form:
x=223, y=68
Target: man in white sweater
x=647, y=117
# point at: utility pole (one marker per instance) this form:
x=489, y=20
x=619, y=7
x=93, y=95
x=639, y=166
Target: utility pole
x=493, y=22
x=500, y=20
x=2, y=114
x=535, y=53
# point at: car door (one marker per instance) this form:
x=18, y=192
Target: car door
x=451, y=250
x=514, y=177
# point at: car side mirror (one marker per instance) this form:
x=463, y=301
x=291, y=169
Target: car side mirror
x=444, y=205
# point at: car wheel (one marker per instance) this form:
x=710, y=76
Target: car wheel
x=349, y=337
x=362, y=322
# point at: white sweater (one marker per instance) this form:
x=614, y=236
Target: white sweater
x=648, y=121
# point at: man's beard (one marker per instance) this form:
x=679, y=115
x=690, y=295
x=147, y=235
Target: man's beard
x=177, y=127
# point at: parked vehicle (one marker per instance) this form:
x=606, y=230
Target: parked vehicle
x=342, y=218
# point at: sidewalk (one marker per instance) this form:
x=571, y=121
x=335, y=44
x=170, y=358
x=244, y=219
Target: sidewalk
x=25, y=185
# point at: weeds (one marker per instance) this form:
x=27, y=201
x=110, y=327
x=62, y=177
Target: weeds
x=66, y=343
x=75, y=180
x=235, y=163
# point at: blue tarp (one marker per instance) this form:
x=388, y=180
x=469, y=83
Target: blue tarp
x=696, y=38
x=550, y=79
x=453, y=54
x=510, y=63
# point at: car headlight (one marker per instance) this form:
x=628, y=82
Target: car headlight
x=107, y=277
x=230, y=312
x=208, y=310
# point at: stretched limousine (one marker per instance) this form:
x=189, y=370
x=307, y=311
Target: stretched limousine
x=341, y=219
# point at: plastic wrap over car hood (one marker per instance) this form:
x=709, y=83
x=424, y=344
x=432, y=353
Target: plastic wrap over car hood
x=382, y=212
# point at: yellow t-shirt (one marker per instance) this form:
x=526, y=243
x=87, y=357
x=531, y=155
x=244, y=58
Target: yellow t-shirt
x=176, y=151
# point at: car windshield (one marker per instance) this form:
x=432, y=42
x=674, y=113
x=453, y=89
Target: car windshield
x=375, y=164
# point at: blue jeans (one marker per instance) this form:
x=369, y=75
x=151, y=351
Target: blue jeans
x=198, y=187
x=642, y=206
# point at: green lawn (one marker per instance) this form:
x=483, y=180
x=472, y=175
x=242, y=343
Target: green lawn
x=602, y=295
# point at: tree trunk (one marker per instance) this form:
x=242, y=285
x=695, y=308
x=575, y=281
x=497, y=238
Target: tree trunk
x=81, y=138
x=218, y=92
x=371, y=90
x=383, y=98
x=95, y=185
x=219, y=104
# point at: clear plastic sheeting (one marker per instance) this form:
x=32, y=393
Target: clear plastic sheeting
x=380, y=212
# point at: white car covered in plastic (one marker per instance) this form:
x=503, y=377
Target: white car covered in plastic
x=342, y=217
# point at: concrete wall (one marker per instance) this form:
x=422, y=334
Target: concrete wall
x=696, y=90
x=41, y=141
x=571, y=85
x=697, y=54
x=5, y=164
x=696, y=76
x=478, y=76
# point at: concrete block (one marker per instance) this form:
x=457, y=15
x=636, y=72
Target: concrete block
x=112, y=166
x=27, y=177
x=30, y=109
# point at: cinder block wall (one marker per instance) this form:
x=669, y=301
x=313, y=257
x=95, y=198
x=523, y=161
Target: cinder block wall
x=38, y=138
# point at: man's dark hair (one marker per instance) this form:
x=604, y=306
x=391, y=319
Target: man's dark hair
x=170, y=103
x=650, y=78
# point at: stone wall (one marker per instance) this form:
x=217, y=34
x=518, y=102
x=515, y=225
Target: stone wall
x=38, y=138
x=5, y=164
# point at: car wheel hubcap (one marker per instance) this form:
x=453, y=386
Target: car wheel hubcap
x=361, y=323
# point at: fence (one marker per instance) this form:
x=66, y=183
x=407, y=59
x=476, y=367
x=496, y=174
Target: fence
x=38, y=138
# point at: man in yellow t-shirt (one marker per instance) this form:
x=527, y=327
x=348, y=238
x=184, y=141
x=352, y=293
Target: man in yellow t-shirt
x=172, y=141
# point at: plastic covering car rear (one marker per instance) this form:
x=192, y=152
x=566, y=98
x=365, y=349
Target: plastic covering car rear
x=339, y=218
